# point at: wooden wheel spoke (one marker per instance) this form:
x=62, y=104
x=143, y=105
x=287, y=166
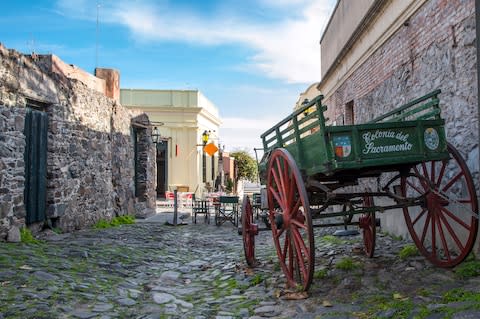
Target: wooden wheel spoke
x=419, y=216
x=434, y=237
x=425, y=171
x=298, y=224
x=421, y=180
x=291, y=255
x=281, y=171
x=296, y=207
x=452, y=232
x=455, y=218
x=279, y=233
x=452, y=181
x=425, y=228
x=415, y=186
x=291, y=193
x=285, y=249
x=440, y=175
x=442, y=238
x=432, y=172
x=281, y=197
x=277, y=198
x=301, y=250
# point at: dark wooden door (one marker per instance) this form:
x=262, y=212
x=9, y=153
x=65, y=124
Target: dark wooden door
x=36, y=129
x=162, y=168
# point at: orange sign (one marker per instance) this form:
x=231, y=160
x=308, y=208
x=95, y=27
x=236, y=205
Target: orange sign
x=210, y=149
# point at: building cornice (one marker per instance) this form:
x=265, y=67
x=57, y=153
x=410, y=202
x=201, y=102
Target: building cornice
x=357, y=33
x=387, y=34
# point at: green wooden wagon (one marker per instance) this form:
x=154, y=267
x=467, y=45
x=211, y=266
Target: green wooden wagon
x=308, y=164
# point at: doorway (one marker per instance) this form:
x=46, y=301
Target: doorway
x=162, y=168
x=36, y=129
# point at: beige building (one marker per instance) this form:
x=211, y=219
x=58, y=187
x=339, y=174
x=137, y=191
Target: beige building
x=184, y=116
x=310, y=93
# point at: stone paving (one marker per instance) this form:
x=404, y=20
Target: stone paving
x=152, y=270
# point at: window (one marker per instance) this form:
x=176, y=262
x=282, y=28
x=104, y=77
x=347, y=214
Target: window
x=349, y=115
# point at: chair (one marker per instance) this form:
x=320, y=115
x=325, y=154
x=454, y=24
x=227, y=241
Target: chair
x=169, y=199
x=186, y=200
x=226, y=210
x=200, y=207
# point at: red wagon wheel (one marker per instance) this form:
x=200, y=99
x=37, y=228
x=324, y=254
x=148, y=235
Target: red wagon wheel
x=445, y=227
x=368, y=225
x=249, y=231
x=290, y=219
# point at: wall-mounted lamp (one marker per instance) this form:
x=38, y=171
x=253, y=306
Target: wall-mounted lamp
x=205, y=137
x=155, y=135
x=305, y=102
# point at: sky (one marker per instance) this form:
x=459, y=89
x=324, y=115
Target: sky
x=251, y=58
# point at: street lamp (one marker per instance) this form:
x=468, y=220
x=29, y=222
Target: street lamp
x=205, y=137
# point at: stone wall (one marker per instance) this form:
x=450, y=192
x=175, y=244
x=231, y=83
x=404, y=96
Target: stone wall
x=90, y=167
x=12, y=165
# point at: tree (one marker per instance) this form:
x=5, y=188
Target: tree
x=246, y=166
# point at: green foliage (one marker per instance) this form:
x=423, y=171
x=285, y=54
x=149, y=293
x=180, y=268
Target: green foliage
x=424, y=292
x=408, y=251
x=27, y=237
x=320, y=274
x=403, y=308
x=256, y=279
x=229, y=186
x=332, y=240
x=468, y=269
x=460, y=294
x=347, y=263
x=116, y=221
x=246, y=165
x=232, y=283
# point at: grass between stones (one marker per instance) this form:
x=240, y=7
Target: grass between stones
x=320, y=274
x=408, y=251
x=116, y=221
x=27, y=237
x=469, y=268
x=347, y=263
x=248, y=304
x=330, y=239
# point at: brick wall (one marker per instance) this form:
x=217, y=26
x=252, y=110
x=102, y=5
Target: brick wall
x=435, y=49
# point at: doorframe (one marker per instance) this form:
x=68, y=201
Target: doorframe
x=164, y=146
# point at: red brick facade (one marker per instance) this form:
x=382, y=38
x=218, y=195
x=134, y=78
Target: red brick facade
x=434, y=49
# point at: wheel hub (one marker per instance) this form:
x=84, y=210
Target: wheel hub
x=364, y=221
x=253, y=230
x=434, y=200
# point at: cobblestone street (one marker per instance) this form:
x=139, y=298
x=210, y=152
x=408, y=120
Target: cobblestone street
x=152, y=270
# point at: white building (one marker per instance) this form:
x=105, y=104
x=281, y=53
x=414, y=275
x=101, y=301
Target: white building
x=186, y=115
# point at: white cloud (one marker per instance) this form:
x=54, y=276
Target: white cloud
x=244, y=133
x=247, y=123
x=287, y=50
